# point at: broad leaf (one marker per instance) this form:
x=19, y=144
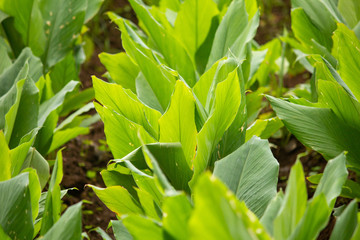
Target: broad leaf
x=176, y=214
x=55, y=102
x=193, y=23
x=120, y=231
x=251, y=172
x=63, y=72
x=62, y=22
x=15, y=209
x=139, y=226
x=172, y=50
x=52, y=209
x=121, y=133
x=314, y=220
x=347, y=51
x=22, y=117
x=170, y=159
x=118, y=200
x=346, y=223
x=294, y=204
x=5, y=161
x=19, y=70
x=37, y=162
x=121, y=69
x=68, y=227
x=314, y=127
x=333, y=178
x=228, y=41
x=126, y=103
x=219, y=215
x=28, y=22
x=178, y=122
x=227, y=101
x=93, y=7
x=156, y=80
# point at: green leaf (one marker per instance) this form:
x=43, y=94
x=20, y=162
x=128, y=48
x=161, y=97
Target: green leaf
x=151, y=209
x=121, y=68
x=333, y=179
x=159, y=175
x=347, y=51
x=120, y=231
x=93, y=7
x=3, y=235
x=205, y=88
x=227, y=102
x=71, y=120
x=77, y=100
x=6, y=61
x=37, y=162
x=346, y=223
x=314, y=127
x=148, y=184
x=35, y=191
x=102, y=233
x=219, y=215
x=63, y=72
x=118, y=200
x=173, y=51
x=228, y=41
x=334, y=96
x=294, y=204
x=263, y=128
x=314, y=40
x=178, y=122
x=19, y=154
x=10, y=101
x=3, y=16
x=121, y=133
x=314, y=220
x=22, y=116
x=15, y=209
x=63, y=136
x=271, y=212
x=68, y=227
x=193, y=23
x=115, y=178
x=5, y=161
x=350, y=10
x=159, y=82
x=19, y=70
x=126, y=103
x=28, y=22
x=273, y=52
x=62, y=22
x=170, y=159
x=139, y=227
x=55, y=102
x=318, y=14
x=53, y=200
x=251, y=172
x=176, y=214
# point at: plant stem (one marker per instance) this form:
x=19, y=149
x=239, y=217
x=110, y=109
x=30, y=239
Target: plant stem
x=282, y=66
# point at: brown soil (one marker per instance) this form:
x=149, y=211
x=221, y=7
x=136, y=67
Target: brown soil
x=84, y=158
x=275, y=16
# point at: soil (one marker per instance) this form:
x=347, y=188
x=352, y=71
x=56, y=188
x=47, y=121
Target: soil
x=85, y=156
x=83, y=159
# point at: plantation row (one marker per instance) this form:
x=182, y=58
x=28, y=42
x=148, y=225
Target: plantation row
x=185, y=118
